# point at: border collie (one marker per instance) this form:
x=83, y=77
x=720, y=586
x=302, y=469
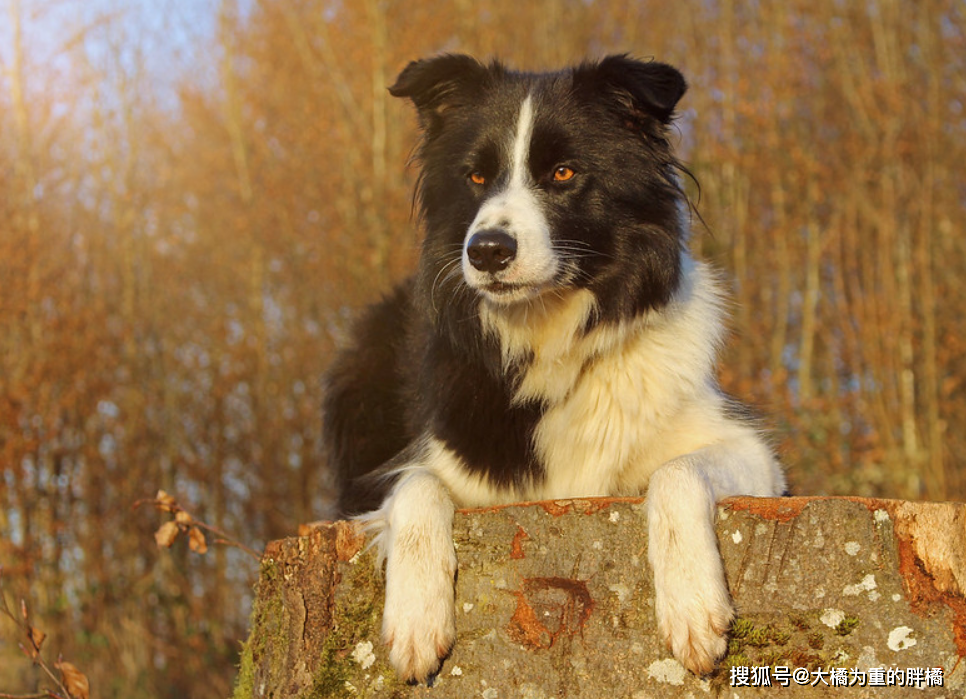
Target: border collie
x=557, y=340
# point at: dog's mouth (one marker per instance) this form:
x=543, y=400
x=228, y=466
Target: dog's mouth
x=504, y=294
x=502, y=288
x=508, y=294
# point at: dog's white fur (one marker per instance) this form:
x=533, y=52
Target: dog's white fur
x=629, y=405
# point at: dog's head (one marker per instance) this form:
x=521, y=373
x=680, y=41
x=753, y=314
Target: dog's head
x=539, y=183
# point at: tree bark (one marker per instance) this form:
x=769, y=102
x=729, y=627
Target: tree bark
x=555, y=599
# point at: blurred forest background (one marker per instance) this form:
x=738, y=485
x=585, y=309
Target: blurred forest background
x=193, y=195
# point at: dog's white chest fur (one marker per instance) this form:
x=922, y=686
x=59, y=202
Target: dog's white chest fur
x=621, y=399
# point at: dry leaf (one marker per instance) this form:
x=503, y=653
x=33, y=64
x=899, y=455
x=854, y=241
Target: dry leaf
x=184, y=518
x=196, y=540
x=73, y=680
x=166, y=534
x=36, y=638
x=165, y=501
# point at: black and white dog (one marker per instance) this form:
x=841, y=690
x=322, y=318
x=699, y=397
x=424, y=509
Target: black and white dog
x=558, y=340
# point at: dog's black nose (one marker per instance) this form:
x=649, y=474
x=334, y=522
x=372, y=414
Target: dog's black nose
x=491, y=250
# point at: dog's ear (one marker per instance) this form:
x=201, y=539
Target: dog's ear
x=649, y=87
x=437, y=85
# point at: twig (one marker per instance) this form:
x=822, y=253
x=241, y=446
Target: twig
x=225, y=540
x=34, y=653
x=166, y=503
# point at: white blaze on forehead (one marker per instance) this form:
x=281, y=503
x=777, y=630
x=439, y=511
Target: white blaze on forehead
x=520, y=150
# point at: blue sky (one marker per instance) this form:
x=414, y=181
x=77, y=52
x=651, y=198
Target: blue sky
x=167, y=37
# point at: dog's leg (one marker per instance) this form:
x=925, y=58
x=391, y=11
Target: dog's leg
x=419, y=620
x=694, y=609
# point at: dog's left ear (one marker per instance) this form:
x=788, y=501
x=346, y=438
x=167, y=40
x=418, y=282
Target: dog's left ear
x=650, y=87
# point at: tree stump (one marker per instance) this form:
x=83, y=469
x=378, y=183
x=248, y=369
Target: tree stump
x=555, y=599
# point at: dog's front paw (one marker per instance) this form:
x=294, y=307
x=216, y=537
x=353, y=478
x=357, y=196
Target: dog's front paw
x=694, y=623
x=694, y=610
x=419, y=621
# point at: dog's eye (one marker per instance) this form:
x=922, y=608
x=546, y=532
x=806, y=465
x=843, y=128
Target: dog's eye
x=563, y=174
x=477, y=178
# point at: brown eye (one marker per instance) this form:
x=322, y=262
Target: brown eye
x=563, y=174
x=477, y=178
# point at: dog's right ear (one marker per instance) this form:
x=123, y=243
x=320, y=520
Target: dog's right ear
x=437, y=85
